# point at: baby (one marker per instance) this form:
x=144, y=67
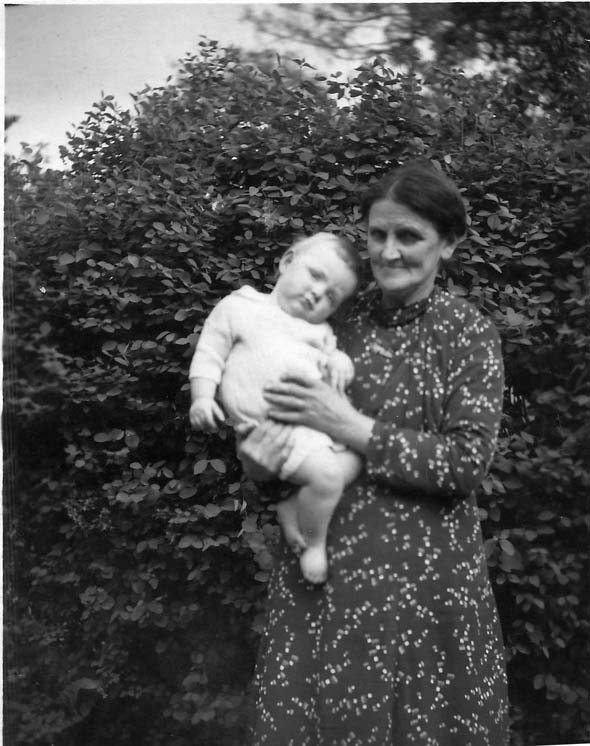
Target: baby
x=251, y=339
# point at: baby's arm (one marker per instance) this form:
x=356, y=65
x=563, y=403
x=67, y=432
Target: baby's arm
x=205, y=413
x=207, y=365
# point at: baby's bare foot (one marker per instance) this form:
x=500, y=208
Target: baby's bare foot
x=314, y=564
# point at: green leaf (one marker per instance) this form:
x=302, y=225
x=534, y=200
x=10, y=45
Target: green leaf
x=507, y=547
x=190, y=540
x=131, y=439
x=200, y=466
x=211, y=510
x=65, y=259
x=365, y=169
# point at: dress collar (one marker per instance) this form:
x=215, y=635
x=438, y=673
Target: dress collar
x=390, y=317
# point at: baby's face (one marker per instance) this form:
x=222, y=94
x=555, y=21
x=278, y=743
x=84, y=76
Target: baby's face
x=313, y=282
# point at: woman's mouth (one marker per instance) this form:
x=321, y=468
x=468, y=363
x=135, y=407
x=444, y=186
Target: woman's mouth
x=390, y=267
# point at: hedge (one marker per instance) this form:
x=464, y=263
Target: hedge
x=136, y=551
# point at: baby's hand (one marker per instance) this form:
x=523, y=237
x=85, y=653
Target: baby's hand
x=339, y=371
x=206, y=414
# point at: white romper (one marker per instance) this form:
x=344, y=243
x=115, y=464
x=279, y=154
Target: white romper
x=248, y=341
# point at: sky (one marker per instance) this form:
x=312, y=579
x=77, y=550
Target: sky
x=60, y=58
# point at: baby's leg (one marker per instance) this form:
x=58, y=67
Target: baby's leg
x=322, y=476
x=288, y=513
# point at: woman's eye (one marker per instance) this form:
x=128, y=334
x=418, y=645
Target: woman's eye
x=378, y=235
x=315, y=274
x=407, y=237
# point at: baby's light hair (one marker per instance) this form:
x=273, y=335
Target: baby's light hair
x=345, y=249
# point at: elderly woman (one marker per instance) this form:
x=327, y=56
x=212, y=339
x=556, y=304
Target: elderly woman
x=402, y=645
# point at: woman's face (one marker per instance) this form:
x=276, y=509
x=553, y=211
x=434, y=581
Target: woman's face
x=405, y=252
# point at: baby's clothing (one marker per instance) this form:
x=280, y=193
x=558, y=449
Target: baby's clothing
x=304, y=441
x=248, y=341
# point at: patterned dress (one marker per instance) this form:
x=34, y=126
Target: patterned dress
x=402, y=645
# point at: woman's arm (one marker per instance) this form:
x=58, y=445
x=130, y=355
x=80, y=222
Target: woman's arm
x=452, y=461
x=314, y=403
x=456, y=459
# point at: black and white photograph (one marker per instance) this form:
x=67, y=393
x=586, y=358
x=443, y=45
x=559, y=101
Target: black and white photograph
x=296, y=374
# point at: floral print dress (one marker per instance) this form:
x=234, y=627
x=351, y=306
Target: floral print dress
x=402, y=645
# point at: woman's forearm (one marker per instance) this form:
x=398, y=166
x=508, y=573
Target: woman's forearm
x=454, y=463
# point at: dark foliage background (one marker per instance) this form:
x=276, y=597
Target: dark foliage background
x=136, y=553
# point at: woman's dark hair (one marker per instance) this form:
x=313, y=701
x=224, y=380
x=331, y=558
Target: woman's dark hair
x=427, y=192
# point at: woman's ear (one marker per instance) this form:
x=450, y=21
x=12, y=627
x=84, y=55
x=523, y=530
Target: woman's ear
x=449, y=247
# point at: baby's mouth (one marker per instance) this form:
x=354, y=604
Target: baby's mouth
x=308, y=303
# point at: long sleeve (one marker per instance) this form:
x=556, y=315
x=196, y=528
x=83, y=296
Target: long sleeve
x=453, y=457
x=215, y=343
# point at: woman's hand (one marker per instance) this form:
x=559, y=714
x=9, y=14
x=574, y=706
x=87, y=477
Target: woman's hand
x=264, y=450
x=306, y=401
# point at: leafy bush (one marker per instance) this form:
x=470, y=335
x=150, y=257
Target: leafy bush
x=137, y=552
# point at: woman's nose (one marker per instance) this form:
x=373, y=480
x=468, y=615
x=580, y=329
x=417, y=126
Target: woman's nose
x=391, y=249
